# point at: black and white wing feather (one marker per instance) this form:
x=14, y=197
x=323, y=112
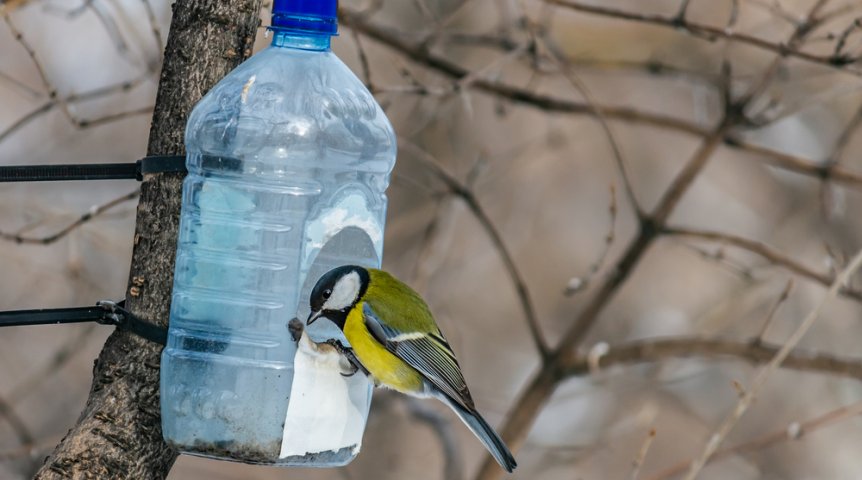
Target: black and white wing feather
x=428, y=352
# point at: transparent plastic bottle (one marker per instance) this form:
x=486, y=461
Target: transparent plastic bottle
x=289, y=157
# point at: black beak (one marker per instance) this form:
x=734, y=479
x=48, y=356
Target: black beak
x=313, y=316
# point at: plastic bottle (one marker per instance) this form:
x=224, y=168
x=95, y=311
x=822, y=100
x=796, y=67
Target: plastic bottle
x=289, y=157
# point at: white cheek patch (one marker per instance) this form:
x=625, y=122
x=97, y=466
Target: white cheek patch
x=344, y=293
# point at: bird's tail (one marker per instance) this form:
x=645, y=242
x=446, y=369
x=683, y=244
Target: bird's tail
x=485, y=433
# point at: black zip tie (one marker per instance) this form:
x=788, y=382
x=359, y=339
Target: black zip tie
x=105, y=313
x=94, y=171
x=160, y=164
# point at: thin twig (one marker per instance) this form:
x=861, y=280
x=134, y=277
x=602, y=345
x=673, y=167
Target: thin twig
x=94, y=212
x=791, y=432
x=73, y=346
x=32, y=450
x=437, y=31
x=798, y=165
x=772, y=255
x=474, y=76
x=79, y=97
x=855, y=25
x=446, y=67
x=662, y=349
x=708, y=32
x=616, y=150
x=363, y=61
x=776, y=9
x=718, y=256
x=110, y=26
x=734, y=15
x=760, y=380
x=20, y=85
x=460, y=190
x=578, y=284
x=43, y=76
x=835, y=157
x=8, y=413
x=800, y=33
x=553, y=104
x=543, y=383
x=27, y=118
x=421, y=266
x=785, y=293
x=651, y=67
x=154, y=26
x=845, y=137
x=642, y=453
x=683, y=10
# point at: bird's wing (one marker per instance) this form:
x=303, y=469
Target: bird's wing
x=428, y=352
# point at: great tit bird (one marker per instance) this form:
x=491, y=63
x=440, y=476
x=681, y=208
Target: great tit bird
x=394, y=337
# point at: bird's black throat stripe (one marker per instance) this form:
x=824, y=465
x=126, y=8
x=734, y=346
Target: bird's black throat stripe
x=338, y=317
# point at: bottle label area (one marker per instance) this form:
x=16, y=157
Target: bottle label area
x=323, y=416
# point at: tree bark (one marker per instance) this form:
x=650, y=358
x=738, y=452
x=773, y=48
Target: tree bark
x=119, y=435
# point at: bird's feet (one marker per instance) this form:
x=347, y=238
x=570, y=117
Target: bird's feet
x=355, y=364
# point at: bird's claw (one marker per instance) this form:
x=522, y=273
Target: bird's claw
x=351, y=357
x=337, y=345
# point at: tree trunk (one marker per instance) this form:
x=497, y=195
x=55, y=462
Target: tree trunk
x=119, y=435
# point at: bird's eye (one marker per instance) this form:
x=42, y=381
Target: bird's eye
x=327, y=293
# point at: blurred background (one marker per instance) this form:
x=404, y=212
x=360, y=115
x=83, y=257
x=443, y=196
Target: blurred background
x=516, y=120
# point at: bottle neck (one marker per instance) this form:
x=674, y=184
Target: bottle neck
x=301, y=40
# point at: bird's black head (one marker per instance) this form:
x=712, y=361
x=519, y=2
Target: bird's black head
x=337, y=291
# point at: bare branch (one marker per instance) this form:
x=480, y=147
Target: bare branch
x=61, y=357
x=363, y=61
x=466, y=194
x=421, y=267
x=544, y=382
x=80, y=97
x=798, y=165
x=154, y=25
x=7, y=412
x=94, y=212
x=780, y=357
x=578, y=284
x=43, y=76
x=575, y=81
x=32, y=450
x=711, y=33
x=855, y=25
x=791, y=432
x=442, y=65
x=683, y=10
x=662, y=349
x=785, y=293
x=770, y=254
x=642, y=453
x=844, y=138
x=27, y=118
x=20, y=85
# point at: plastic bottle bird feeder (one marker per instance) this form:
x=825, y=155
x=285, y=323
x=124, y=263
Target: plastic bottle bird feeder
x=289, y=157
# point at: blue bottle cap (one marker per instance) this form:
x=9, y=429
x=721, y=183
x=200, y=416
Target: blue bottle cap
x=310, y=16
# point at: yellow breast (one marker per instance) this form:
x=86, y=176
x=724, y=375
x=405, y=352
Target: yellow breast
x=385, y=368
